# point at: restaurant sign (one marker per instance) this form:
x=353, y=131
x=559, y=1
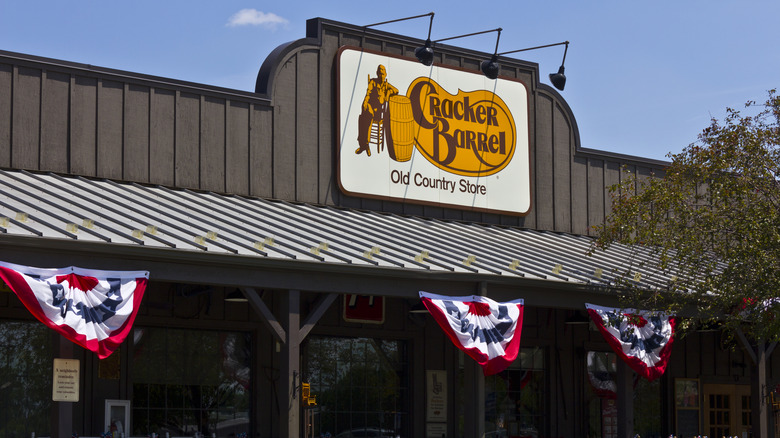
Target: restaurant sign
x=432, y=135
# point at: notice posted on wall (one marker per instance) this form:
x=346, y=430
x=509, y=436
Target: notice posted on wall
x=65, y=381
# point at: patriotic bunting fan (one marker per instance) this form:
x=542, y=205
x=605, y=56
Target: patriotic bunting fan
x=92, y=308
x=643, y=339
x=489, y=332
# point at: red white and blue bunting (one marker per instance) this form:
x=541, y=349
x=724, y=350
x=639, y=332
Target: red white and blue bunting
x=92, y=308
x=487, y=331
x=641, y=338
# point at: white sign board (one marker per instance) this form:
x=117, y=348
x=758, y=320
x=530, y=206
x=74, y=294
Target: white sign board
x=65, y=381
x=431, y=135
x=436, y=384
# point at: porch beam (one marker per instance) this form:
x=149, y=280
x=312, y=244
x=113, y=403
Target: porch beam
x=265, y=314
x=320, y=307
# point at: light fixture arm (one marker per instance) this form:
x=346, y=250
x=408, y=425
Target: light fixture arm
x=472, y=34
x=424, y=53
x=404, y=19
x=490, y=68
x=538, y=47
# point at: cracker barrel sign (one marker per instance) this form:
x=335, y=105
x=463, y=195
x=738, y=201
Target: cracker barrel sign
x=431, y=135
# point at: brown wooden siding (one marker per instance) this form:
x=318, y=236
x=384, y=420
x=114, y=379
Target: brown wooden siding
x=102, y=123
x=75, y=119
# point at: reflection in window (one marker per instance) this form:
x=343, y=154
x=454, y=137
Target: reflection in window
x=361, y=386
x=26, y=359
x=514, y=398
x=601, y=394
x=187, y=381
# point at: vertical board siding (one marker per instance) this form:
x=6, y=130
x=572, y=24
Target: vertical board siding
x=261, y=142
x=580, y=198
x=26, y=115
x=187, y=155
x=135, y=156
x=55, y=103
x=110, y=129
x=562, y=168
x=83, y=138
x=162, y=132
x=284, y=130
x=212, y=144
x=237, y=148
x=596, y=193
x=55, y=118
x=328, y=148
x=307, y=153
x=543, y=157
x=6, y=97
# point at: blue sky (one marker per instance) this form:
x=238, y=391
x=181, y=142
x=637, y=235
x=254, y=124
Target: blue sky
x=644, y=78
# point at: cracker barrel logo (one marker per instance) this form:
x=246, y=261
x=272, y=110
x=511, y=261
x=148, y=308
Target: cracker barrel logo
x=469, y=133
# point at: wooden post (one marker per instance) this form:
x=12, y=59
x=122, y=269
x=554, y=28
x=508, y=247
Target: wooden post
x=63, y=418
x=290, y=367
x=758, y=391
x=625, y=400
x=759, y=411
x=474, y=424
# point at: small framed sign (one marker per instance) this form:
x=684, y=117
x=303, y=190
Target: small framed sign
x=366, y=309
x=65, y=380
x=117, y=417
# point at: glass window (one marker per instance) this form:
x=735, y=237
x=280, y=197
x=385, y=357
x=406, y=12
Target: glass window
x=514, y=398
x=26, y=358
x=187, y=381
x=601, y=394
x=361, y=387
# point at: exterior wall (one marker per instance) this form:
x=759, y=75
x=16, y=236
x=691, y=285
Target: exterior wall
x=77, y=119
x=280, y=143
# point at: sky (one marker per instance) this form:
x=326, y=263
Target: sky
x=643, y=78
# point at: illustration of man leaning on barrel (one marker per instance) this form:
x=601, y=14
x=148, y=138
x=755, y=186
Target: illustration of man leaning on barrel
x=386, y=117
x=375, y=114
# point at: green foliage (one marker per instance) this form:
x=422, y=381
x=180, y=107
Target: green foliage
x=712, y=222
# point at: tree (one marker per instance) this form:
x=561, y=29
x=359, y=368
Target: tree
x=712, y=224
x=709, y=231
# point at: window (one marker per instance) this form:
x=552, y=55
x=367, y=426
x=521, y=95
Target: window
x=601, y=394
x=514, y=398
x=26, y=359
x=187, y=381
x=361, y=386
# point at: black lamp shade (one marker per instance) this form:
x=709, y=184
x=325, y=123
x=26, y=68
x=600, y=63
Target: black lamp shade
x=490, y=68
x=424, y=54
x=558, y=79
x=236, y=297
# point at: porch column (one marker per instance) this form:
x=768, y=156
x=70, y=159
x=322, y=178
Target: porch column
x=759, y=412
x=758, y=392
x=474, y=387
x=625, y=400
x=63, y=415
x=290, y=367
x=474, y=423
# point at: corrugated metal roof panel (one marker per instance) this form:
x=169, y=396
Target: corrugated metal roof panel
x=71, y=207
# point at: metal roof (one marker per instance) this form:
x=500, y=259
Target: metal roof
x=52, y=206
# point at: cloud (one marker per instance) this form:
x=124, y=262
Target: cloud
x=253, y=17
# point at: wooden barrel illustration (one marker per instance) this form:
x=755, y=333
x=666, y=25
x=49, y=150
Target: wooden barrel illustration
x=400, y=142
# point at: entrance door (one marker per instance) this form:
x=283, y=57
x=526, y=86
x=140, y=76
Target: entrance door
x=727, y=410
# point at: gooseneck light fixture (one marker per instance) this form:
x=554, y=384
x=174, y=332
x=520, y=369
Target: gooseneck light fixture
x=424, y=53
x=472, y=34
x=490, y=68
